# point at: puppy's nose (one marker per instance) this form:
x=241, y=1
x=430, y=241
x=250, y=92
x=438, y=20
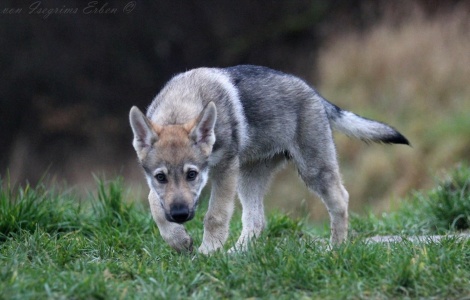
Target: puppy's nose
x=179, y=213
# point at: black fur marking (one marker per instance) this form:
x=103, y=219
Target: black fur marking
x=398, y=138
x=217, y=146
x=333, y=111
x=287, y=155
x=338, y=110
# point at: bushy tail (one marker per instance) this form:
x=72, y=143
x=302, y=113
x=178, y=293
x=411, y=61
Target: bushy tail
x=356, y=126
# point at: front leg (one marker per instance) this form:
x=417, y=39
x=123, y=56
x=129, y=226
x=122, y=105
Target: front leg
x=216, y=222
x=174, y=234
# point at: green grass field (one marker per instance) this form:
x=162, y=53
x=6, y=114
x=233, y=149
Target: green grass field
x=53, y=245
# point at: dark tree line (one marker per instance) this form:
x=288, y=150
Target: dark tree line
x=69, y=78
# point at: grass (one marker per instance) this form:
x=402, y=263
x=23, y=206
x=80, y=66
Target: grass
x=442, y=209
x=107, y=247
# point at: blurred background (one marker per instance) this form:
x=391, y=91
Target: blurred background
x=71, y=70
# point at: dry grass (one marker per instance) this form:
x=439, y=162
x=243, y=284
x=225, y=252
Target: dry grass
x=413, y=74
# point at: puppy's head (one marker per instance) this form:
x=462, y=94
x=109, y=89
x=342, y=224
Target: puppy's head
x=175, y=159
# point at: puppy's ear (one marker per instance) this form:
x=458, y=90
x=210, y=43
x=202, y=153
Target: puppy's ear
x=203, y=132
x=144, y=134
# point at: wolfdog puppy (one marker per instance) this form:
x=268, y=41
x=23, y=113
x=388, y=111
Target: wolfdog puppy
x=236, y=126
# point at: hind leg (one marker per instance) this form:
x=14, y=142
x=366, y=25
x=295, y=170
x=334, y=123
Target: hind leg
x=332, y=192
x=253, y=183
x=315, y=157
x=324, y=179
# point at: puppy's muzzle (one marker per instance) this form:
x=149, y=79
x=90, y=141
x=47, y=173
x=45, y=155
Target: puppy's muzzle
x=179, y=213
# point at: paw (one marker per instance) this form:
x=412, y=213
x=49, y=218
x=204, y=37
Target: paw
x=338, y=236
x=205, y=250
x=185, y=245
x=180, y=241
x=208, y=248
x=213, y=241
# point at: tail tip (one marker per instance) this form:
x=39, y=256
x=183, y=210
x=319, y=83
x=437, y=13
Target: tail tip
x=397, y=138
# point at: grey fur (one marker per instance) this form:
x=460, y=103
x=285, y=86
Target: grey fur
x=263, y=118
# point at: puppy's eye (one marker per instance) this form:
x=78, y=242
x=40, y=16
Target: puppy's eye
x=161, y=178
x=191, y=175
